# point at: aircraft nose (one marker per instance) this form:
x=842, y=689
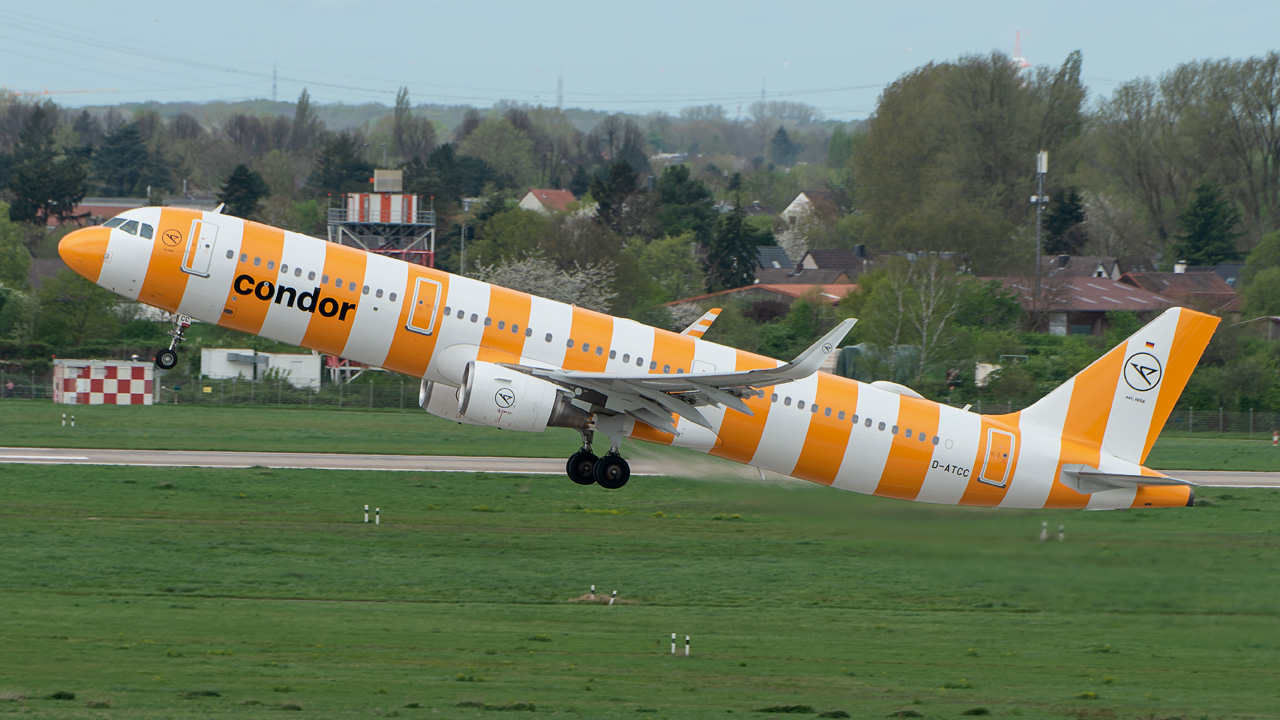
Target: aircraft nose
x=84, y=251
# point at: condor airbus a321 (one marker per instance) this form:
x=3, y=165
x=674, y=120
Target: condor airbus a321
x=492, y=356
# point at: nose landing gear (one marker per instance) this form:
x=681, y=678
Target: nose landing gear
x=168, y=358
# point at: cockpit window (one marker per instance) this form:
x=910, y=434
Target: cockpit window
x=113, y=222
x=130, y=227
x=147, y=231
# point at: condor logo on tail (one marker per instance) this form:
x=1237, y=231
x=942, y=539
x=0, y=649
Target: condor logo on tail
x=307, y=301
x=1142, y=371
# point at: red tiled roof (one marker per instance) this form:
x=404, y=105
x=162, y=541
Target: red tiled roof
x=1204, y=288
x=831, y=293
x=557, y=200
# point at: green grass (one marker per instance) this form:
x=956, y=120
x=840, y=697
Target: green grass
x=183, y=593
x=167, y=427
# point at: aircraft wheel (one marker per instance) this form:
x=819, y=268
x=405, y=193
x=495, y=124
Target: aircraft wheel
x=166, y=359
x=581, y=466
x=612, y=472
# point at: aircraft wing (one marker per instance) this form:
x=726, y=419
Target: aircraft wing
x=1087, y=480
x=652, y=398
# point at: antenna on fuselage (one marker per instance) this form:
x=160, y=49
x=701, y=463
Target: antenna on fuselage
x=218, y=210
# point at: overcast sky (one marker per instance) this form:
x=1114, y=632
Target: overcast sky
x=633, y=57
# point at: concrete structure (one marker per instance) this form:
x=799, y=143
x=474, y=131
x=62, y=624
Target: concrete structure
x=103, y=382
x=225, y=363
x=386, y=221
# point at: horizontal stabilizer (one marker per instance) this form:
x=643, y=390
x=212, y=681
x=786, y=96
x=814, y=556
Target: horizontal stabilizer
x=1087, y=480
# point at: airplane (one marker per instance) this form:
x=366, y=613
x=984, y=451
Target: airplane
x=489, y=355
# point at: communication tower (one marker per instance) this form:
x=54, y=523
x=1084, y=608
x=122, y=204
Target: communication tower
x=387, y=222
x=1018, y=61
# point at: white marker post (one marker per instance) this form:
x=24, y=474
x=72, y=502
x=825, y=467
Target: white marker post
x=673, y=643
x=593, y=592
x=613, y=597
x=73, y=421
x=366, y=512
x=377, y=516
x=64, y=419
x=686, y=646
x=1044, y=530
x=1062, y=533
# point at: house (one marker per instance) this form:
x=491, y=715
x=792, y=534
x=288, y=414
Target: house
x=1079, y=305
x=724, y=207
x=1205, y=291
x=772, y=257
x=782, y=295
x=547, y=201
x=823, y=267
x=821, y=206
x=1080, y=266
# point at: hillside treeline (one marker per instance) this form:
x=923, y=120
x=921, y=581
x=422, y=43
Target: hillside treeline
x=1180, y=167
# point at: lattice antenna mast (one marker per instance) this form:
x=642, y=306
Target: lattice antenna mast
x=1019, y=61
x=560, y=91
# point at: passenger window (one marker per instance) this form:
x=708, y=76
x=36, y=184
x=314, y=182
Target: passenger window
x=337, y=282
x=653, y=364
x=626, y=357
x=586, y=347
x=147, y=232
x=935, y=439
x=639, y=362
x=311, y=275
x=599, y=350
x=365, y=291
x=893, y=430
x=378, y=294
x=231, y=254
x=297, y=272
x=840, y=415
x=488, y=321
x=271, y=264
x=666, y=369
x=569, y=343
x=868, y=423
x=257, y=261
x=787, y=401
x=461, y=314
x=515, y=328
x=474, y=317
x=352, y=286
x=800, y=405
x=447, y=311
x=502, y=324
x=392, y=297
x=324, y=279
x=881, y=427
x=528, y=332
x=613, y=354
x=113, y=222
x=284, y=268
x=130, y=227
x=548, y=339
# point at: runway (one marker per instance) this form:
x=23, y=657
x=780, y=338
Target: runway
x=298, y=461
x=428, y=463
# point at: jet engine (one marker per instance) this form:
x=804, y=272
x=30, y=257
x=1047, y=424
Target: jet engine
x=506, y=398
x=442, y=401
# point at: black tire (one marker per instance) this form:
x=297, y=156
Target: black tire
x=612, y=472
x=581, y=467
x=166, y=359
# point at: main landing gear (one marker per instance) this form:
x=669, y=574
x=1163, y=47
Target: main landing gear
x=610, y=472
x=166, y=359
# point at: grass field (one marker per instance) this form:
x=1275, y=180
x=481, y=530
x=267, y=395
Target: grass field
x=150, y=593
x=39, y=424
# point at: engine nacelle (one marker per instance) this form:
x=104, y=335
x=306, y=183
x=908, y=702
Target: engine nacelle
x=442, y=401
x=505, y=398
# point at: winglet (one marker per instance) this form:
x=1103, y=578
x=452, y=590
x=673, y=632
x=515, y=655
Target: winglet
x=702, y=324
x=809, y=361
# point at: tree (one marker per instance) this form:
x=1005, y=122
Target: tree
x=669, y=266
x=731, y=254
x=506, y=149
x=1266, y=254
x=411, y=136
x=611, y=191
x=584, y=286
x=783, y=150
x=73, y=309
x=243, y=192
x=1262, y=295
x=1064, y=227
x=684, y=204
x=118, y=163
x=306, y=127
x=15, y=260
x=507, y=236
x=46, y=182
x=340, y=165
x=912, y=303
x=1208, y=229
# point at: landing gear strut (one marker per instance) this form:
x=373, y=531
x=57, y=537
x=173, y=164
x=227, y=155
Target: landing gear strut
x=166, y=359
x=610, y=472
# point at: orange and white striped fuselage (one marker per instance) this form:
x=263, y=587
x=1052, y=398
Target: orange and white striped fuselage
x=826, y=429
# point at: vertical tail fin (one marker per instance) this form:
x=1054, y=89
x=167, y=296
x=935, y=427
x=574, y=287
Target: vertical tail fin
x=1120, y=403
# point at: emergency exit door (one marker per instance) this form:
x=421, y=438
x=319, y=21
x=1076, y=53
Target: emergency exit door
x=200, y=244
x=422, y=315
